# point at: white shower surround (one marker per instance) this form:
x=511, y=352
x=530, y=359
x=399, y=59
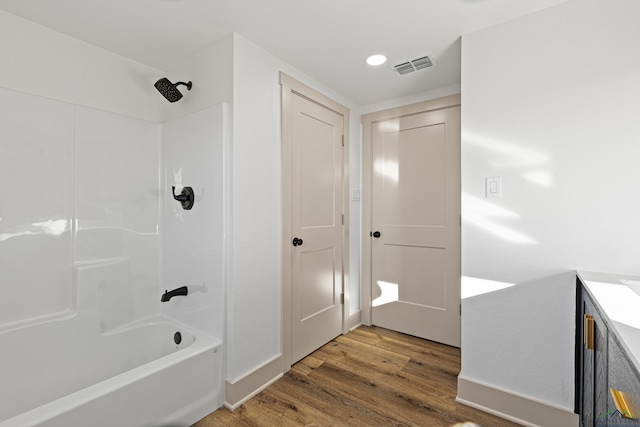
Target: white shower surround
x=84, y=164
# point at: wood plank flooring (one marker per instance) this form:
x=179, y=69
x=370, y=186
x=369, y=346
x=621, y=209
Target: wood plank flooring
x=369, y=377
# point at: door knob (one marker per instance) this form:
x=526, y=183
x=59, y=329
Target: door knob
x=297, y=241
x=376, y=234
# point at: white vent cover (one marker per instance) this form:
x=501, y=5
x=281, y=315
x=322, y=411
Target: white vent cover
x=411, y=65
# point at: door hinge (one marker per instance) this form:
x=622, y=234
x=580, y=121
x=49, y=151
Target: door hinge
x=343, y=140
x=460, y=309
x=342, y=219
x=342, y=298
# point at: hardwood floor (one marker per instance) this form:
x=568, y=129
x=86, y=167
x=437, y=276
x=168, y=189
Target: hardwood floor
x=369, y=377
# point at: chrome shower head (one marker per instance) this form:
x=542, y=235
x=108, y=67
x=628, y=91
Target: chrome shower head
x=170, y=90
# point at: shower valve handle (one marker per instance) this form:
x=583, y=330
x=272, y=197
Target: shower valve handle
x=186, y=197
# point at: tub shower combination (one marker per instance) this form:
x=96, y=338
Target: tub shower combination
x=95, y=368
x=99, y=364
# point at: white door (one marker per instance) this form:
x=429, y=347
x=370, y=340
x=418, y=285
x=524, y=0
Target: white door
x=415, y=235
x=316, y=240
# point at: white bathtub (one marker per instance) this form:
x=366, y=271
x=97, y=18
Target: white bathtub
x=66, y=373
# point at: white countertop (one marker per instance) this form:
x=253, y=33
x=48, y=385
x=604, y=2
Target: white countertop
x=618, y=298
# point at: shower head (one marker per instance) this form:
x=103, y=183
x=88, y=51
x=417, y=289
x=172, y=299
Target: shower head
x=170, y=90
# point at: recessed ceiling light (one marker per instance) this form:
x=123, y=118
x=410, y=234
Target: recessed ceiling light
x=376, y=59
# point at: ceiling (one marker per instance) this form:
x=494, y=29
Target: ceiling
x=325, y=39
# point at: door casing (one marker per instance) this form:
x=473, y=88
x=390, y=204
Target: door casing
x=292, y=87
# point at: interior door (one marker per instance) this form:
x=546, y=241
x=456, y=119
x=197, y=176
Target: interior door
x=415, y=236
x=316, y=225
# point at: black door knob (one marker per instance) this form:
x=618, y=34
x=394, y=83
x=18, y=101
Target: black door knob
x=297, y=241
x=376, y=234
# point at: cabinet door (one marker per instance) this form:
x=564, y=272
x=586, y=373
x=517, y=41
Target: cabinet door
x=594, y=373
x=624, y=379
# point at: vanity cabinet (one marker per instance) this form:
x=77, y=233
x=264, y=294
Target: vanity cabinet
x=624, y=380
x=607, y=382
x=594, y=349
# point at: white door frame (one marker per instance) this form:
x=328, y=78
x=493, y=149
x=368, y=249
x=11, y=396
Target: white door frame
x=367, y=183
x=292, y=87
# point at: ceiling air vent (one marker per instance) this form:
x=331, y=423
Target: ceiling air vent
x=413, y=65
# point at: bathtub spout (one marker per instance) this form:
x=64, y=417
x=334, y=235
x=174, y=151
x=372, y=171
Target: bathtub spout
x=183, y=290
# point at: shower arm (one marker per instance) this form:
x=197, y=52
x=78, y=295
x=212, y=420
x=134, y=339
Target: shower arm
x=188, y=85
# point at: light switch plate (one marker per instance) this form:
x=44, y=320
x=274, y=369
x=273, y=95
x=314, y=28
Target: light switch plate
x=493, y=186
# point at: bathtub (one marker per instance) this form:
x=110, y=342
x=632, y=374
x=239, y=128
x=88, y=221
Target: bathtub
x=67, y=373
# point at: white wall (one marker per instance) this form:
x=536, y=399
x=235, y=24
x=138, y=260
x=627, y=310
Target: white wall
x=211, y=72
x=254, y=300
x=550, y=103
x=47, y=63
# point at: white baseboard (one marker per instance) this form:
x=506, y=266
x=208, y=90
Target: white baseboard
x=355, y=327
x=354, y=320
x=512, y=406
x=239, y=391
